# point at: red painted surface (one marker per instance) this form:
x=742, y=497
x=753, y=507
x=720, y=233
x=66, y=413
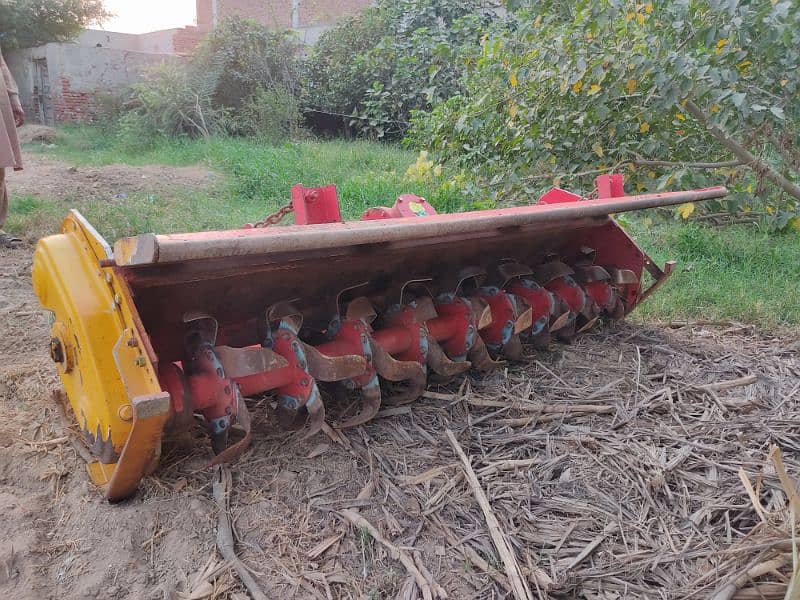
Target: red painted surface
x=610, y=186
x=313, y=206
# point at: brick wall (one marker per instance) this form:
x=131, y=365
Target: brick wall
x=319, y=12
x=72, y=106
x=277, y=14
x=185, y=40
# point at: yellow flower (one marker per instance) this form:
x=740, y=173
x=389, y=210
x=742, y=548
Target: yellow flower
x=648, y=8
x=744, y=64
x=714, y=108
x=640, y=19
x=593, y=89
x=794, y=223
x=630, y=16
x=720, y=45
x=513, y=80
x=770, y=210
x=784, y=82
x=686, y=210
x=644, y=127
x=630, y=86
x=577, y=86
x=680, y=117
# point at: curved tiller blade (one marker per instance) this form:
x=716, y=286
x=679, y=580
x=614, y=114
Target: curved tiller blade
x=233, y=452
x=333, y=368
x=399, y=370
x=370, y=405
x=439, y=362
x=480, y=358
x=513, y=348
x=316, y=414
x=482, y=313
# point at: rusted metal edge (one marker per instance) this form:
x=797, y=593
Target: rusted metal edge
x=151, y=249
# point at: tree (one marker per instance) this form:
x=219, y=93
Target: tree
x=28, y=23
x=684, y=93
x=397, y=56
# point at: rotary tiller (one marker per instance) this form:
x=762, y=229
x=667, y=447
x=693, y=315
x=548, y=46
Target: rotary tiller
x=166, y=330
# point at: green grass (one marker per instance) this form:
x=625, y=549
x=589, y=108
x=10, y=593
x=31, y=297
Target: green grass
x=736, y=273
x=258, y=179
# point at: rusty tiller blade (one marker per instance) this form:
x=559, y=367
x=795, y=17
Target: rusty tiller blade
x=286, y=312
x=424, y=309
x=241, y=362
x=509, y=270
x=370, y=405
x=548, y=271
x=333, y=368
x=481, y=311
x=524, y=319
x=623, y=276
x=439, y=362
x=561, y=321
x=513, y=349
x=399, y=370
x=316, y=415
x=361, y=309
x=233, y=452
x=480, y=358
x=587, y=274
x=588, y=325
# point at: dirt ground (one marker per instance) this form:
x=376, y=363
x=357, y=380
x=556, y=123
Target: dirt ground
x=48, y=178
x=638, y=462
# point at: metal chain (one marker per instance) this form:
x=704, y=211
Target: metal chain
x=593, y=195
x=275, y=217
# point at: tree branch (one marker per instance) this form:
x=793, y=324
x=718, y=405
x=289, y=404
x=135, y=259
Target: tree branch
x=689, y=165
x=742, y=153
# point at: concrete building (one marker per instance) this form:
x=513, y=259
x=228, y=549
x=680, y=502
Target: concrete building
x=66, y=82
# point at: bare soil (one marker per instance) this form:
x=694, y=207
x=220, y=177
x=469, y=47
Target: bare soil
x=48, y=178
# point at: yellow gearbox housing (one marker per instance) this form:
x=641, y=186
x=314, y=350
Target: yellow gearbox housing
x=103, y=357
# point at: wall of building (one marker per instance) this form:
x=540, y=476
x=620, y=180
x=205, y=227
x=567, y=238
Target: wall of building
x=279, y=14
x=79, y=78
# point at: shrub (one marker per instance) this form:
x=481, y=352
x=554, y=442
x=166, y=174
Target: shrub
x=242, y=80
x=271, y=114
x=169, y=102
x=242, y=56
x=395, y=57
x=657, y=89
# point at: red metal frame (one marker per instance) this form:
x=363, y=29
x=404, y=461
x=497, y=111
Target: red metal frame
x=401, y=341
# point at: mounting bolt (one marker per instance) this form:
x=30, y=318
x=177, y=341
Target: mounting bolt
x=140, y=361
x=125, y=412
x=133, y=343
